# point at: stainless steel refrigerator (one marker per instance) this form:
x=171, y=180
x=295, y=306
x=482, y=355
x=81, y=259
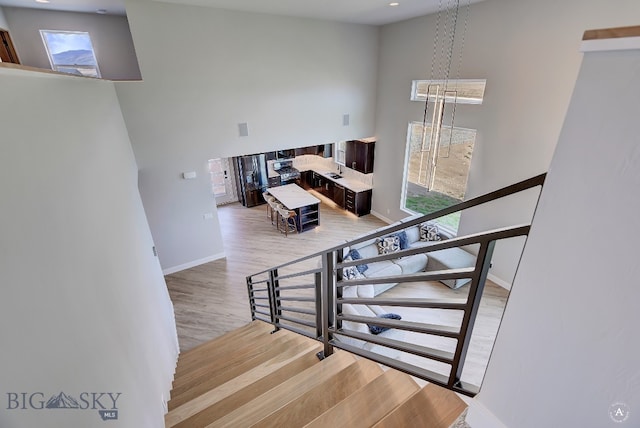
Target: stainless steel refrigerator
x=252, y=179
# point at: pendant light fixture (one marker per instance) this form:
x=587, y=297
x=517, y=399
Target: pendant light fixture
x=441, y=92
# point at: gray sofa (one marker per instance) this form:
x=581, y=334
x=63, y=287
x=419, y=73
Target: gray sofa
x=449, y=258
x=438, y=260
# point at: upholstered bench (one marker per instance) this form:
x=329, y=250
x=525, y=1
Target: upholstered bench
x=451, y=258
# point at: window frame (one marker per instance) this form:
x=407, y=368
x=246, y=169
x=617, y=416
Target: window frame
x=405, y=181
x=60, y=67
x=450, y=85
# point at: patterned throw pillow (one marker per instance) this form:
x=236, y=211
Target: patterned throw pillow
x=351, y=272
x=389, y=244
x=404, y=239
x=377, y=329
x=429, y=232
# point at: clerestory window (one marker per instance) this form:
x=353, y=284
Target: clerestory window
x=71, y=52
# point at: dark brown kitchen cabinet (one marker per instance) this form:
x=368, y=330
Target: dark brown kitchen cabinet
x=325, y=150
x=359, y=155
x=310, y=150
x=358, y=203
x=306, y=179
x=320, y=183
x=338, y=194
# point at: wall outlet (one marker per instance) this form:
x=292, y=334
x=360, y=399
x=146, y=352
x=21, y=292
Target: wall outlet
x=208, y=216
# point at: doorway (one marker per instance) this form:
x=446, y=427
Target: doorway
x=7, y=50
x=222, y=183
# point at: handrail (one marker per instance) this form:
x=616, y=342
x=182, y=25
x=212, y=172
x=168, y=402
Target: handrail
x=316, y=303
x=529, y=183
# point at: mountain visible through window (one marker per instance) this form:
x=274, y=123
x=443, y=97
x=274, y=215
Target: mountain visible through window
x=71, y=52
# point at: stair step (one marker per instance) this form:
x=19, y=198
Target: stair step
x=370, y=403
x=248, y=393
x=219, y=347
x=241, y=389
x=218, y=372
x=316, y=401
x=272, y=400
x=431, y=407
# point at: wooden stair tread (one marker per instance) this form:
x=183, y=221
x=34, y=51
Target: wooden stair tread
x=269, y=402
x=219, y=372
x=431, y=407
x=250, y=377
x=370, y=403
x=219, y=347
x=316, y=401
x=248, y=393
x=218, y=401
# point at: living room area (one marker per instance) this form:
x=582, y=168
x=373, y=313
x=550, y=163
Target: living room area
x=211, y=299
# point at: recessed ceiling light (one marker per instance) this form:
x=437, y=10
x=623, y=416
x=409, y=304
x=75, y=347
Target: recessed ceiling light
x=395, y=3
x=42, y=1
x=101, y=11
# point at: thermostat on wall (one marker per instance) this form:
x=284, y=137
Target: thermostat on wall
x=189, y=175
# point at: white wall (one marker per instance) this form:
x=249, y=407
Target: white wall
x=110, y=36
x=527, y=51
x=83, y=304
x=3, y=21
x=568, y=348
x=206, y=70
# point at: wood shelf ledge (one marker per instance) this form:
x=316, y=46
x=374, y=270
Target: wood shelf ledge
x=52, y=73
x=611, y=39
x=612, y=33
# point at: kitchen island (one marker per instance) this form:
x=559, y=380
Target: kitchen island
x=306, y=206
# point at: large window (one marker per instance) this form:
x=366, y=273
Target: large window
x=71, y=52
x=429, y=189
x=438, y=154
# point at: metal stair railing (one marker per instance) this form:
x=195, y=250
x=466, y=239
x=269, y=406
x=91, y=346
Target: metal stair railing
x=305, y=296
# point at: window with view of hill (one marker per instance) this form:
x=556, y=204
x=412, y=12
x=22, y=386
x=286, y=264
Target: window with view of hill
x=71, y=52
x=438, y=155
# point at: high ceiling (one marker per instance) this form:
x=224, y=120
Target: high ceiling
x=375, y=12
x=113, y=7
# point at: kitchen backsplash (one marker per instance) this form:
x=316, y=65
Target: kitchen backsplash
x=321, y=164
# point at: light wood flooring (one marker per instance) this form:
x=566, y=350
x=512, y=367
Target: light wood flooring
x=211, y=299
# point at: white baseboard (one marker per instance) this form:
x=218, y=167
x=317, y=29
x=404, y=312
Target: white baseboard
x=381, y=217
x=193, y=263
x=501, y=282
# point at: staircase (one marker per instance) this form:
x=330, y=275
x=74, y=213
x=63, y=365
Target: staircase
x=252, y=378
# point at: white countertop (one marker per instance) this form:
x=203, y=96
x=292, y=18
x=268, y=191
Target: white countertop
x=354, y=185
x=293, y=196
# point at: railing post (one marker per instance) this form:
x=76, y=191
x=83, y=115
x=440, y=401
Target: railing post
x=327, y=300
x=252, y=301
x=483, y=263
x=318, y=283
x=274, y=298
